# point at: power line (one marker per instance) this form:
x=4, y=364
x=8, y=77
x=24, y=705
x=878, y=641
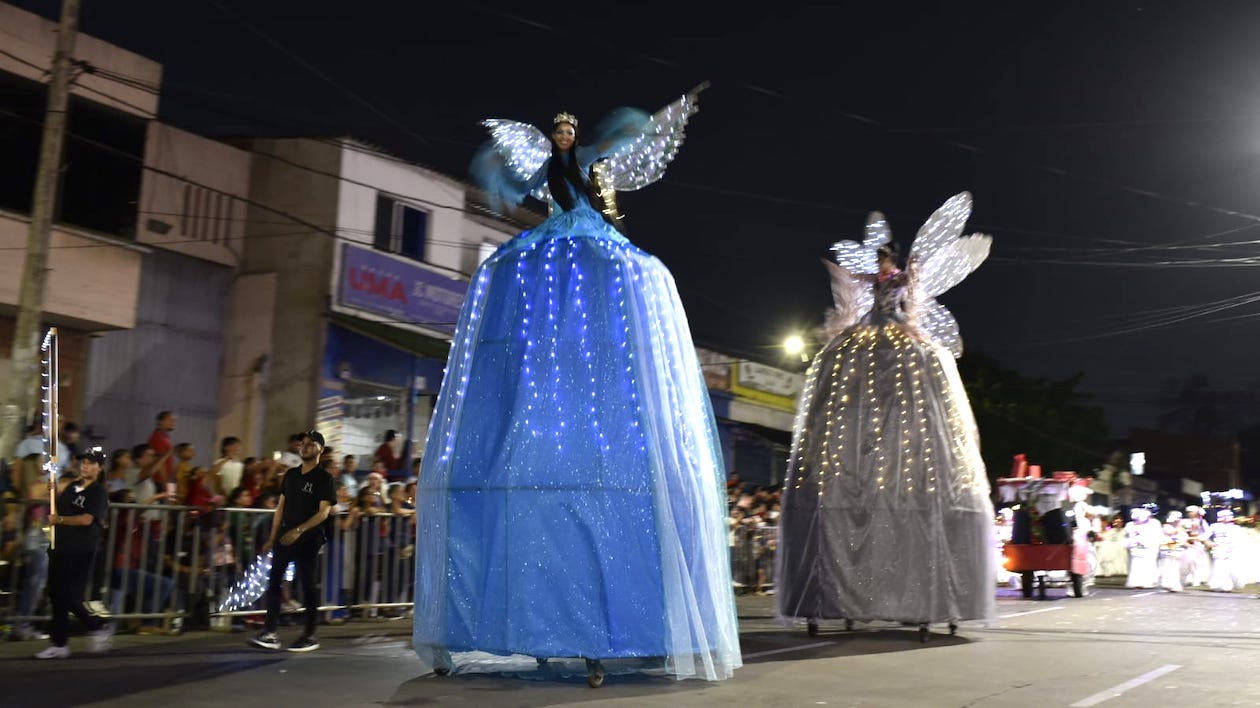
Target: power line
x=277, y=45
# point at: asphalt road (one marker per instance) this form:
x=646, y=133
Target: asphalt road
x=1115, y=647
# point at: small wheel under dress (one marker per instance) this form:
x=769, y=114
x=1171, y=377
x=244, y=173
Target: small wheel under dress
x=594, y=673
x=812, y=628
x=442, y=662
x=848, y=625
x=923, y=632
x=953, y=629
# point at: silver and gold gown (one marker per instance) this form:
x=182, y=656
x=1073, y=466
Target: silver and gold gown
x=886, y=507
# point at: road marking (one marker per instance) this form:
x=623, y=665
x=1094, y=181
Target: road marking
x=1146, y=594
x=785, y=650
x=1030, y=612
x=1116, y=691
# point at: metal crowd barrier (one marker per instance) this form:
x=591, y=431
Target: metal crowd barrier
x=752, y=557
x=165, y=565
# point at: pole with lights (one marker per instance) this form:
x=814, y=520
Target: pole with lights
x=49, y=385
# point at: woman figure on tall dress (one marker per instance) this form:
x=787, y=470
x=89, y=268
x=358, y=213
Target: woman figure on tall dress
x=886, y=508
x=570, y=500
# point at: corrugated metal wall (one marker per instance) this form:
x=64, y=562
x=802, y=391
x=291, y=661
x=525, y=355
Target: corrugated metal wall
x=170, y=361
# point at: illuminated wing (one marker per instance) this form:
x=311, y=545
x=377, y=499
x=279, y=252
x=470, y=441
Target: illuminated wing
x=642, y=160
x=943, y=258
x=861, y=257
x=953, y=262
x=523, y=149
x=942, y=264
x=940, y=326
x=853, y=298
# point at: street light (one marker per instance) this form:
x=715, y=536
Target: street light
x=794, y=345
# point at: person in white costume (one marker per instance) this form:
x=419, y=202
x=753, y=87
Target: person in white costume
x=1085, y=525
x=1113, y=556
x=1143, y=538
x=1196, y=563
x=1171, y=552
x=1223, y=541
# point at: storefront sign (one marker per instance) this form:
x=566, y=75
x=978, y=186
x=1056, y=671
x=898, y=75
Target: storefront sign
x=770, y=380
x=402, y=290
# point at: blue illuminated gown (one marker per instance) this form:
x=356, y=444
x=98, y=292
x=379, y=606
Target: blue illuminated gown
x=570, y=501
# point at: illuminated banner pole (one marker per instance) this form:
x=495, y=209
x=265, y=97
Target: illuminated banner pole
x=50, y=385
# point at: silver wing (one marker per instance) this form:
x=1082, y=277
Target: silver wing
x=939, y=324
x=853, y=300
x=642, y=161
x=861, y=257
x=939, y=272
x=524, y=150
x=943, y=258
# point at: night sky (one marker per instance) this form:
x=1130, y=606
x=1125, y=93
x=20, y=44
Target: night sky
x=1112, y=146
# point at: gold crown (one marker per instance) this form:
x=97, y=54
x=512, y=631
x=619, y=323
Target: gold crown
x=565, y=118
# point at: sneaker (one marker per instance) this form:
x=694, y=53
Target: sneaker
x=305, y=644
x=54, y=652
x=266, y=640
x=102, y=639
x=27, y=634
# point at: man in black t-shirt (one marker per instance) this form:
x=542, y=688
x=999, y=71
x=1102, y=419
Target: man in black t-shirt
x=79, y=523
x=305, y=502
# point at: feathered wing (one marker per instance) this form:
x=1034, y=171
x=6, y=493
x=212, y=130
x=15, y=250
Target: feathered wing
x=851, y=296
x=943, y=258
x=850, y=300
x=642, y=160
x=510, y=162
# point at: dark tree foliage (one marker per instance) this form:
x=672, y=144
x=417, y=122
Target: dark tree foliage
x=1051, y=422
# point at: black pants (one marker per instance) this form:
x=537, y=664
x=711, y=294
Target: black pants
x=305, y=554
x=68, y=573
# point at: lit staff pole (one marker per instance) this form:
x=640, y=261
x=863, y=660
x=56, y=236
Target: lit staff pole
x=50, y=382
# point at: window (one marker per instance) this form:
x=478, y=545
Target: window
x=400, y=227
x=102, y=158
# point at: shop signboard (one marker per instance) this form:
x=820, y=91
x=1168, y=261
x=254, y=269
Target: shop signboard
x=405, y=291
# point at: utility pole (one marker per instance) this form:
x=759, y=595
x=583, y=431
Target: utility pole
x=21, y=396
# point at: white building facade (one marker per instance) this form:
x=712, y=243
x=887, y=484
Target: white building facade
x=355, y=268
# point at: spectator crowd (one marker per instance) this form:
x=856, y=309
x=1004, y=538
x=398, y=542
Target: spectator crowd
x=184, y=526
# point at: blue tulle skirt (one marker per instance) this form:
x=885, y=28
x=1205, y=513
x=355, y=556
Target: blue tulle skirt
x=570, y=500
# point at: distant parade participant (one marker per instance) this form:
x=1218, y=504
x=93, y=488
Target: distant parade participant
x=1223, y=541
x=1171, y=552
x=1143, y=537
x=1113, y=556
x=1196, y=563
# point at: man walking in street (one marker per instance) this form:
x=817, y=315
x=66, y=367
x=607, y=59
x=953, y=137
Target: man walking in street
x=305, y=502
